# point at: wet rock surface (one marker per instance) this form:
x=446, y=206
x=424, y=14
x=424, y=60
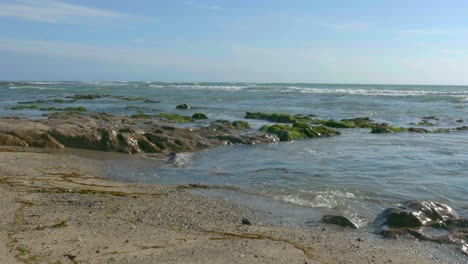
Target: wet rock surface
x=424, y=220
x=338, y=220
x=106, y=132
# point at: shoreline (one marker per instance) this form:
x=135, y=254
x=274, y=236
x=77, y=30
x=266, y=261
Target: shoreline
x=65, y=211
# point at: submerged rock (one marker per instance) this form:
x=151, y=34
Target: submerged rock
x=183, y=106
x=277, y=117
x=240, y=124
x=361, y=122
x=335, y=124
x=298, y=131
x=386, y=128
x=199, y=116
x=339, y=220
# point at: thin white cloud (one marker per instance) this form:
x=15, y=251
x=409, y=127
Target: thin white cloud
x=124, y=55
x=436, y=32
x=54, y=11
x=348, y=26
x=204, y=6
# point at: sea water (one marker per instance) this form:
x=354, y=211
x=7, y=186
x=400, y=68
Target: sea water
x=356, y=174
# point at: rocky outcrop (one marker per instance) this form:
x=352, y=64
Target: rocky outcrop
x=106, y=132
x=10, y=140
x=416, y=213
x=73, y=136
x=425, y=220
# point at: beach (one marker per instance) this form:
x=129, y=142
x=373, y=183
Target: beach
x=214, y=173
x=56, y=209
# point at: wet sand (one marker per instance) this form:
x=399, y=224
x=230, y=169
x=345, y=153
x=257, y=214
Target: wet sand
x=55, y=208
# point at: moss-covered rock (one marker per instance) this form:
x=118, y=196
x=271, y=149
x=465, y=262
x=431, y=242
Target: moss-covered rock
x=140, y=115
x=175, y=117
x=85, y=96
x=298, y=131
x=334, y=123
x=22, y=107
x=199, y=116
x=386, y=128
x=277, y=117
x=361, y=122
x=240, y=124
x=66, y=109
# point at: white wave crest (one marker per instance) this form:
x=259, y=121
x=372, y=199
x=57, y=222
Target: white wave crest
x=324, y=199
x=371, y=92
x=34, y=88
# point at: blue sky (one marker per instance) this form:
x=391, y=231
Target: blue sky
x=368, y=41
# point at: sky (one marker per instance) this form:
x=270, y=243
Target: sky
x=333, y=41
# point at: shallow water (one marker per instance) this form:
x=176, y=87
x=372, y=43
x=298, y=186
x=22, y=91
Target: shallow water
x=356, y=174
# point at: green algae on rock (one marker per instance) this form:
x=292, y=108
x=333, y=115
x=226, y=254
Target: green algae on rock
x=298, y=131
x=199, y=116
x=66, y=109
x=175, y=117
x=334, y=123
x=240, y=124
x=386, y=128
x=360, y=122
x=22, y=107
x=277, y=117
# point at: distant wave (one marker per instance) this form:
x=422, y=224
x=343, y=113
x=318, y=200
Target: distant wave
x=211, y=87
x=34, y=88
x=371, y=92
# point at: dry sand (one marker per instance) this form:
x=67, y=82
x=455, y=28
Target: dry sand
x=54, y=208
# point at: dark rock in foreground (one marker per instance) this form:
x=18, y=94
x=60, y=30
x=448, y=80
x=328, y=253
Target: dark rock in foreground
x=425, y=220
x=416, y=213
x=338, y=220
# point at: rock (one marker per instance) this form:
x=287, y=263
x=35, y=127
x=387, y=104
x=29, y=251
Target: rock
x=334, y=124
x=240, y=124
x=277, y=117
x=175, y=117
x=298, y=131
x=120, y=141
x=429, y=118
x=222, y=125
x=361, y=122
x=386, y=128
x=73, y=136
x=38, y=139
x=10, y=140
x=459, y=120
x=246, y=221
x=418, y=130
x=199, y=116
x=339, y=220
x=183, y=106
x=84, y=97
x=416, y=213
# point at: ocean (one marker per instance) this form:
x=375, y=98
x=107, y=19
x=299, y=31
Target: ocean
x=356, y=174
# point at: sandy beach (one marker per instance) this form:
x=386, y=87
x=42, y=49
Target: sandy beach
x=57, y=209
